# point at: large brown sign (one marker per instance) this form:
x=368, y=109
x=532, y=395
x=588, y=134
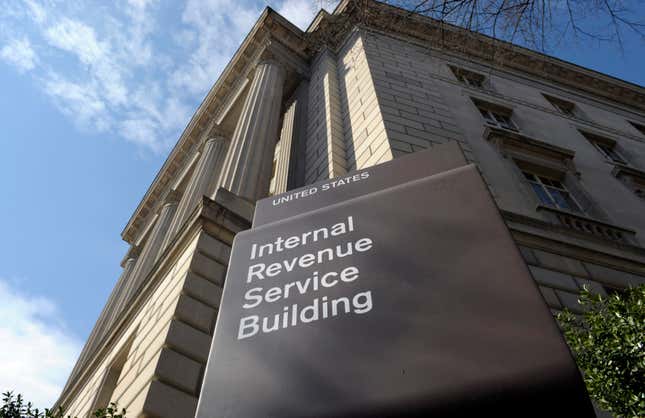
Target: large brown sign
x=412, y=300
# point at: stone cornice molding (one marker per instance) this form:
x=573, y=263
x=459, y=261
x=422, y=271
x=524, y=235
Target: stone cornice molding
x=496, y=52
x=624, y=171
x=518, y=146
x=537, y=233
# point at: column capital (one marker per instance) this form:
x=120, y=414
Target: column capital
x=172, y=198
x=274, y=52
x=212, y=140
x=132, y=253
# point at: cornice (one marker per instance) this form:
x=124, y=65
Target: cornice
x=498, y=53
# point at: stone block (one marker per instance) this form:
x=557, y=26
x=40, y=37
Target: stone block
x=550, y=297
x=195, y=313
x=179, y=370
x=553, y=279
x=613, y=277
x=202, y=289
x=561, y=263
x=569, y=301
x=595, y=287
x=208, y=268
x=528, y=255
x=164, y=401
x=187, y=339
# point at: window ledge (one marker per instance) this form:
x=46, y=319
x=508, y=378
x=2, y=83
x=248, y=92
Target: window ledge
x=622, y=170
x=515, y=138
x=587, y=225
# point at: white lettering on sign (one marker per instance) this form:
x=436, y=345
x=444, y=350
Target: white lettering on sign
x=317, y=282
x=330, y=185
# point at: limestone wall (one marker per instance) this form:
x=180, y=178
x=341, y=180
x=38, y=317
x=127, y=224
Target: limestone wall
x=170, y=339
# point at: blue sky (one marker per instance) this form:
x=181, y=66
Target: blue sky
x=94, y=95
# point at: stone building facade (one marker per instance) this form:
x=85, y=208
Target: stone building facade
x=562, y=149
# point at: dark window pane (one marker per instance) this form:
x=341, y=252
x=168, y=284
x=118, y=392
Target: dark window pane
x=541, y=194
x=529, y=176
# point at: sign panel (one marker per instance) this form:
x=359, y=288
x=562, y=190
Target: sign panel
x=408, y=301
x=358, y=183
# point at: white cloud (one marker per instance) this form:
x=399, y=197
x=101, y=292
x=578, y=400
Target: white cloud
x=143, y=131
x=78, y=38
x=36, y=11
x=19, y=53
x=299, y=12
x=133, y=69
x=37, y=352
x=220, y=27
x=81, y=40
x=81, y=102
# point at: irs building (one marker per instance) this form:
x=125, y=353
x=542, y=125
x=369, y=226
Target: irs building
x=561, y=149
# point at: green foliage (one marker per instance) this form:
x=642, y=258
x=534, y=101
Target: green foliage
x=15, y=407
x=608, y=340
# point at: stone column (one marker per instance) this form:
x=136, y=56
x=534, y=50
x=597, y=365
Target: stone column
x=287, y=173
x=247, y=170
x=152, y=248
x=202, y=182
x=120, y=290
x=105, y=320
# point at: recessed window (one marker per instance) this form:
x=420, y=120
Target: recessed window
x=468, y=78
x=551, y=192
x=607, y=147
x=497, y=118
x=112, y=376
x=631, y=177
x=562, y=106
x=640, y=128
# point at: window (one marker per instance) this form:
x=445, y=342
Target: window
x=640, y=128
x=631, y=177
x=552, y=192
x=610, y=153
x=607, y=147
x=111, y=376
x=468, y=78
x=562, y=106
x=497, y=118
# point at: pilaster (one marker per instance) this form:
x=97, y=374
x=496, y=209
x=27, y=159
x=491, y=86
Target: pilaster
x=326, y=154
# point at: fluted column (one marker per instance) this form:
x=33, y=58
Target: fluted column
x=105, y=320
x=202, y=182
x=152, y=248
x=120, y=289
x=247, y=169
x=291, y=141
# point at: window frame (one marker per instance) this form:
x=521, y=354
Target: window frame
x=468, y=78
x=547, y=187
x=638, y=126
x=564, y=107
x=610, y=153
x=607, y=147
x=493, y=117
